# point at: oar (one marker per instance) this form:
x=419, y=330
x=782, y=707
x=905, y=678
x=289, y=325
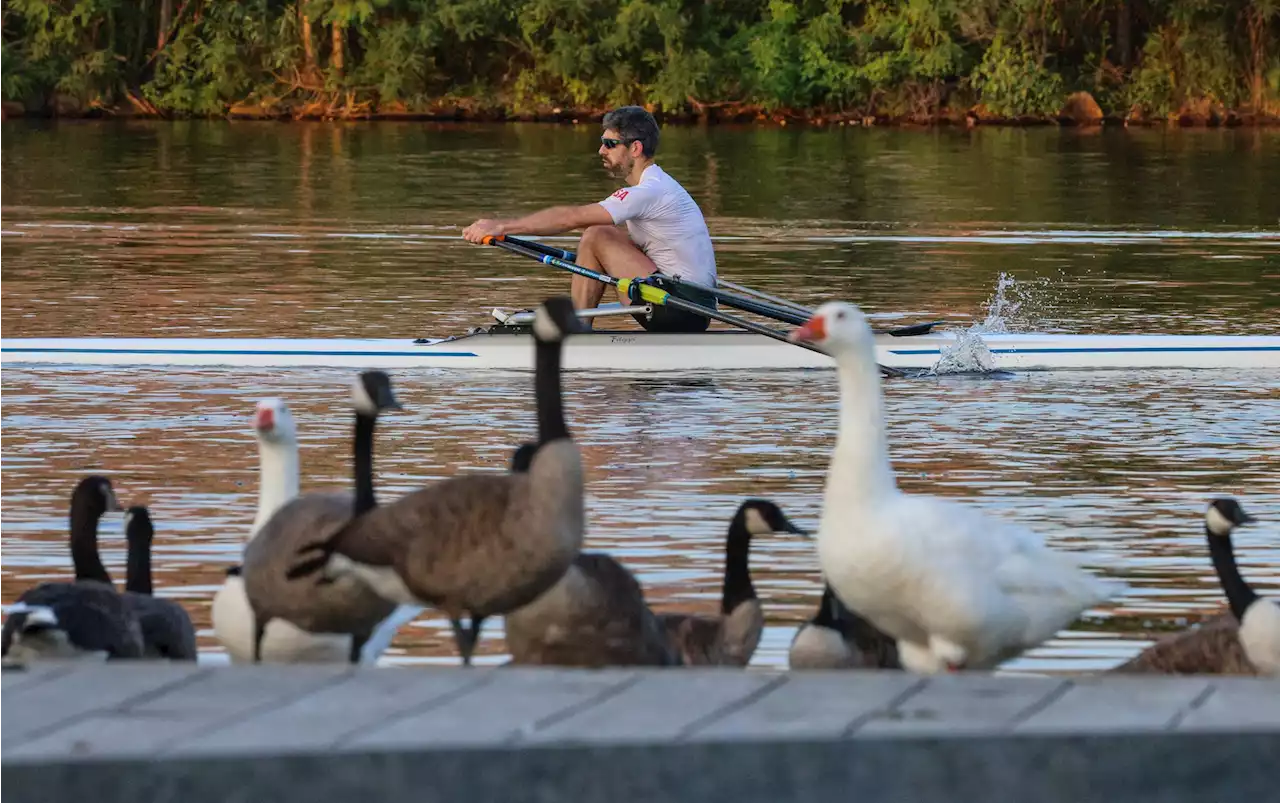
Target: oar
x=782, y=302
x=793, y=314
x=639, y=291
x=779, y=309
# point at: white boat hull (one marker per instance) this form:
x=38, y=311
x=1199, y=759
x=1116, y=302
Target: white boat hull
x=645, y=352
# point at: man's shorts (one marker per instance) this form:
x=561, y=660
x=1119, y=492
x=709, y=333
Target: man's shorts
x=671, y=320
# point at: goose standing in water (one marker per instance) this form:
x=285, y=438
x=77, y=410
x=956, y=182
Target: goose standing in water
x=837, y=638
x=480, y=544
x=278, y=482
x=594, y=616
x=344, y=607
x=731, y=638
x=166, y=626
x=956, y=588
x=1259, y=618
x=84, y=618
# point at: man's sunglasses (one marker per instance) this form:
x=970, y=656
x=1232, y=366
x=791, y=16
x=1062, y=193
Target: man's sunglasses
x=613, y=143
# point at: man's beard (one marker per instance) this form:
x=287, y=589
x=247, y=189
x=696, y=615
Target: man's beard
x=619, y=172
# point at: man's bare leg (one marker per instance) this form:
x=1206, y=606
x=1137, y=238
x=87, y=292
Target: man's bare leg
x=609, y=250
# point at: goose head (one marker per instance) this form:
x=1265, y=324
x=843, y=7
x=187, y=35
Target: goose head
x=273, y=422
x=762, y=517
x=555, y=319
x=1224, y=515
x=94, y=496
x=371, y=393
x=138, y=528
x=837, y=328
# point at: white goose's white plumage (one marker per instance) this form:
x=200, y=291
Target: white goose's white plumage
x=957, y=588
x=278, y=483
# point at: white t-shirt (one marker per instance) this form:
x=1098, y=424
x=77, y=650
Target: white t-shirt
x=666, y=223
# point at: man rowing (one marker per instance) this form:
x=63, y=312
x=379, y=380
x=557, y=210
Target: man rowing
x=666, y=234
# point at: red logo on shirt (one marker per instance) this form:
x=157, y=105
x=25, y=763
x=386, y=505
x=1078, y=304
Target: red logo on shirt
x=621, y=195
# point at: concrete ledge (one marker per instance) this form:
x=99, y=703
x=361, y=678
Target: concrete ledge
x=311, y=734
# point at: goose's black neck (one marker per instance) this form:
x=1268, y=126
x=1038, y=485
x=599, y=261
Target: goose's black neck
x=737, y=573
x=1239, y=594
x=826, y=615
x=547, y=392
x=363, y=461
x=138, y=570
x=84, y=541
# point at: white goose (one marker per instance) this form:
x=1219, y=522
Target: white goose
x=958, y=589
x=278, y=482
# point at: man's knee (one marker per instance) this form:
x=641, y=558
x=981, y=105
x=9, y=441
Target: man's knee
x=593, y=236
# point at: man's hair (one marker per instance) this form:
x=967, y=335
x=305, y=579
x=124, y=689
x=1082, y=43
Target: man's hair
x=634, y=124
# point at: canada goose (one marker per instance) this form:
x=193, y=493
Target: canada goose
x=1211, y=648
x=480, y=544
x=84, y=618
x=956, y=587
x=1259, y=618
x=315, y=603
x=731, y=637
x=837, y=638
x=166, y=626
x=594, y=616
x=278, y=482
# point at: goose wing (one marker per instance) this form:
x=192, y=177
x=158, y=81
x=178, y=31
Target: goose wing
x=166, y=627
x=92, y=614
x=982, y=579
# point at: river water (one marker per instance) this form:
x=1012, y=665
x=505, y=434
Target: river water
x=264, y=229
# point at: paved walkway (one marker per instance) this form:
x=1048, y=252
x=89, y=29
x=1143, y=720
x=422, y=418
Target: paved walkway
x=146, y=732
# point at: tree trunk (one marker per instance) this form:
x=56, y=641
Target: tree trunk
x=1124, y=33
x=308, y=49
x=166, y=21
x=335, y=59
x=1258, y=55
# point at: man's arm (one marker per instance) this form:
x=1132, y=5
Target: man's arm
x=553, y=220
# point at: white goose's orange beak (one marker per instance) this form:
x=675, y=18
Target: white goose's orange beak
x=812, y=332
x=264, y=419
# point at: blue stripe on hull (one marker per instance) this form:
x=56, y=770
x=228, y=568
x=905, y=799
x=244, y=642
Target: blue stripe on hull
x=1103, y=350
x=228, y=352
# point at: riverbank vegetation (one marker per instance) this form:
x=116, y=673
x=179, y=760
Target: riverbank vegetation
x=865, y=61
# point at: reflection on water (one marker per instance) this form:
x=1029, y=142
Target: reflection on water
x=332, y=230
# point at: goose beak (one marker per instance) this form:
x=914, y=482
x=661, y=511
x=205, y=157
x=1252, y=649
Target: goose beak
x=789, y=527
x=264, y=419
x=812, y=332
x=391, y=402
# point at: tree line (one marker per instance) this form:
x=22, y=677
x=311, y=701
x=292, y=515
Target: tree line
x=894, y=60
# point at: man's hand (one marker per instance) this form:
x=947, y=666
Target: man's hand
x=476, y=232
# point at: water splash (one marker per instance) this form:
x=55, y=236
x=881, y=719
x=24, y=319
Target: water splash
x=1007, y=310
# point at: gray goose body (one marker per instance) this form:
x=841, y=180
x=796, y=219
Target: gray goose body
x=311, y=600
x=167, y=631
x=731, y=638
x=1212, y=648
x=87, y=617
x=480, y=544
x=594, y=616
x=837, y=638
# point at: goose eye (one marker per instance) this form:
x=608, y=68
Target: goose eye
x=840, y=315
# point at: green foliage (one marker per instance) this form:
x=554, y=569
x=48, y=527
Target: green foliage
x=1012, y=81
x=895, y=57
